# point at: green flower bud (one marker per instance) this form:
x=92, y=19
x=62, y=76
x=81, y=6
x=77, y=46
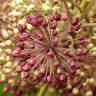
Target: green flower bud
x=15, y=13
x=31, y=8
x=5, y=34
x=6, y=70
x=69, y=86
x=13, y=4
x=93, y=51
x=1, y=50
x=2, y=44
x=9, y=51
x=82, y=74
x=29, y=26
x=92, y=80
x=2, y=59
x=78, y=72
x=7, y=58
x=20, y=1
x=47, y=2
x=46, y=8
x=87, y=80
x=2, y=77
x=15, y=30
x=89, y=93
x=8, y=64
x=22, y=21
x=24, y=8
x=8, y=42
x=55, y=8
x=91, y=45
x=75, y=91
x=11, y=81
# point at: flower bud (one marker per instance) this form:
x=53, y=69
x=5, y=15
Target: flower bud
x=91, y=45
x=69, y=86
x=30, y=8
x=29, y=27
x=46, y=8
x=1, y=50
x=55, y=8
x=2, y=44
x=15, y=30
x=92, y=80
x=8, y=64
x=89, y=93
x=6, y=70
x=82, y=74
x=2, y=58
x=26, y=67
x=78, y=71
x=20, y=2
x=16, y=52
x=7, y=58
x=75, y=91
x=8, y=51
x=15, y=13
x=57, y=16
x=5, y=34
x=65, y=17
x=93, y=50
x=50, y=53
x=74, y=21
x=22, y=21
x=2, y=77
x=8, y=42
x=13, y=4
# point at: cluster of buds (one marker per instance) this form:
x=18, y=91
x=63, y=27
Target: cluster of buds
x=21, y=7
x=47, y=54
x=46, y=47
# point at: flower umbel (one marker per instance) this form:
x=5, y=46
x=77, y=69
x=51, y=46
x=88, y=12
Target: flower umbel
x=45, y=53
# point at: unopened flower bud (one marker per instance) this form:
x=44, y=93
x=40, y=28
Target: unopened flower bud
x=29, y=27
x=89, y=93
x=8, y=64
x=69, y=86
x=8, y=42
x=1, y=50
x=92, y=80
x=91, y=45
x=15, y=13
x=82, y=74
x=75, y=91
x=5, y=34
x=20, y=1
x=55, y=8
x=22, y=21
x=15, y=30
x=31, y=8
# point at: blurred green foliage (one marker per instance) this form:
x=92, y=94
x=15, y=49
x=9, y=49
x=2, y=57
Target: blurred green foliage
x=27, y=94
x=1, y=88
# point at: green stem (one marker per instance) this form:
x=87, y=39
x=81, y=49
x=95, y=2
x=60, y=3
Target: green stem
x=48, y=35
x=84, y=4
x=67, y=9
x=89, y=25
x=42, y=90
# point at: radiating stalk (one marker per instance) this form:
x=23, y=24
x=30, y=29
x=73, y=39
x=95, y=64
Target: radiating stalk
x=42, y=90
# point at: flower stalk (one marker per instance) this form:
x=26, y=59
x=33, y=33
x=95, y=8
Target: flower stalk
x=42, y=90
